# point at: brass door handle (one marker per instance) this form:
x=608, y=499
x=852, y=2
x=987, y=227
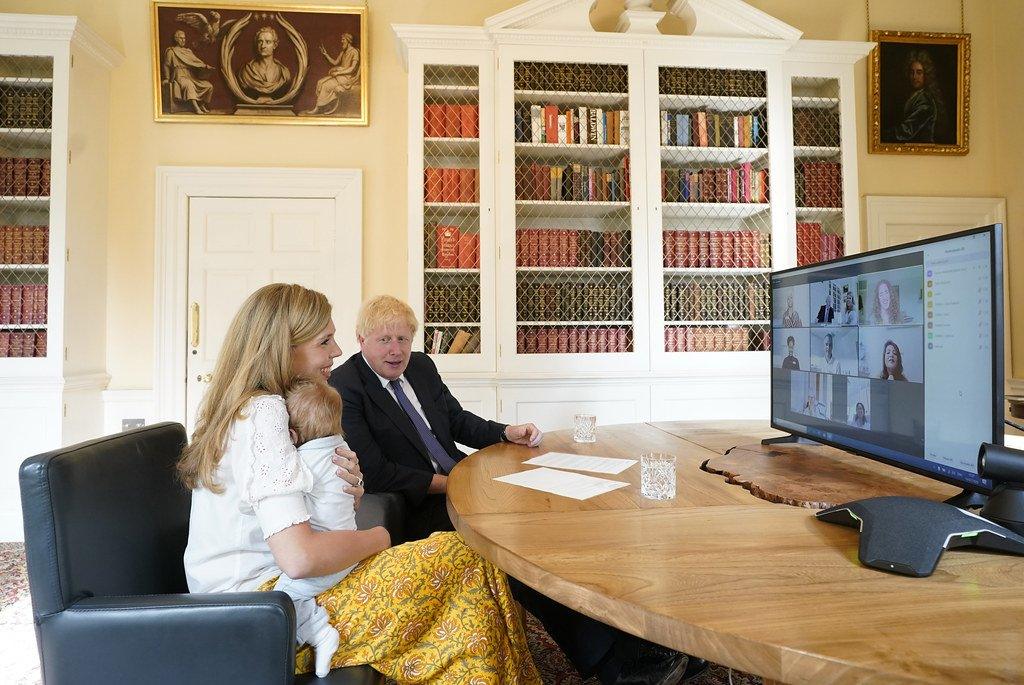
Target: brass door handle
x=194, y=324
x=204, y=377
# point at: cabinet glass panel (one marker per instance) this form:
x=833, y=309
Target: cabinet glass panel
x=26, y=100
x=574, y=270
x=716, y=219
x=451, y=209
x=818, y=170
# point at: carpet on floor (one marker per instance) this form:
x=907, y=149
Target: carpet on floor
x=20, y=658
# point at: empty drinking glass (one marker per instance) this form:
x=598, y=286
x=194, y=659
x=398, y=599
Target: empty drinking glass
x=657, y=475
x=584, y=428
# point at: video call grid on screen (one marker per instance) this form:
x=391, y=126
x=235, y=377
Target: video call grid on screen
x=853, y=342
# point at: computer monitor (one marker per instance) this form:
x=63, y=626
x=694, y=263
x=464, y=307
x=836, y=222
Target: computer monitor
x=896, y=354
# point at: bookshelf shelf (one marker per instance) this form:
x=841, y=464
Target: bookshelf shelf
x=709, y=271
x=815, y=152
x=711, y=103
x=452, y=272
x=802, y=212
x=29, y=138
x=752, y=322
x=810, y=102
x=15, y=201
x=451, y=93
x=446, y=324
x=26, y=81
x=574, y=324
x=562, y=97
x=721, y=210
x=575, y=152
x=24, y=267
x=719, y=155
x=557, y=208
x=22, y=326
x=451, y=147
x=574, y=269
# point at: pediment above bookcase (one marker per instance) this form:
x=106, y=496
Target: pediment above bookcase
x=703, y=18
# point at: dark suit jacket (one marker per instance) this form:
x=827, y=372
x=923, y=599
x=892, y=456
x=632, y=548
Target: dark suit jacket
x=391, y=454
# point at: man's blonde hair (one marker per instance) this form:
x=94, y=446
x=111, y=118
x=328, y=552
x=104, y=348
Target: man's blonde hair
x=384, y=311
x=314, y=409
x=255, y=359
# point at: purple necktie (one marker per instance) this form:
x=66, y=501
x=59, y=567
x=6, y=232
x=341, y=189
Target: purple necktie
x=434, y=448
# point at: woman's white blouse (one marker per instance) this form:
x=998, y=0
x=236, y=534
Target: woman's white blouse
x=264, y=480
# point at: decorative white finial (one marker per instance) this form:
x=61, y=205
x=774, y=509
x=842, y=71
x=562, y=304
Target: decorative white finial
x=639, y=17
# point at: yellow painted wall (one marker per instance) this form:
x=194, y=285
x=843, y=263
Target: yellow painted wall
x=138, y=144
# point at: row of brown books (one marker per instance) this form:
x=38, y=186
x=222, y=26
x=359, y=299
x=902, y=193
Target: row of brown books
x=714, y=82
x=819, y=184
x=22, y=304
x=736, y=184
x=448, y=340
x=573, y=339
x=713, y=129
x=25, y=106
x=24, y=244
x=451, y=184
x=451, y=121
x=573, y=182
x=733, y=300
x=814, y=245
x=815, y=127
x=570, y=247
x=24, y=176
x=22, y=343
x=449, y=303
x=573, y=126
x=454, y=249
x=716, y=339
x=574, y=302
x=571, y=77
x=715, y=249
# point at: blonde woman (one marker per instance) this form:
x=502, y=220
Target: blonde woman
x=428, y=611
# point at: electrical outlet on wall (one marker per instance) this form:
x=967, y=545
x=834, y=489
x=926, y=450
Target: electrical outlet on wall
x=129, y=424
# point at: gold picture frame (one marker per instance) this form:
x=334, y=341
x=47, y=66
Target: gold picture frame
x=260, y=64
x=920, y=85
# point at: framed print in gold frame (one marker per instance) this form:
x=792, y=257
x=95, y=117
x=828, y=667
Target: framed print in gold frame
x=263, y=64
x=920, y=85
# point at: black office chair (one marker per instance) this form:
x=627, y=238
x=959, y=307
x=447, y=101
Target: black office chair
x=106, y=522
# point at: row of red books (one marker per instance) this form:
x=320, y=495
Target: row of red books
x=715, y=339
x=22, y=343
x=572, y=339
x=565, y=247
x=24, y=244
x=24, y=176
x=451, y=121
x=455, y=249
x=450, y=185
x=821, y=184
x=22, y=304
x=714, y=249
x=814, y=245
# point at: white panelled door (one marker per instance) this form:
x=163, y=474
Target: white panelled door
x=236, y=245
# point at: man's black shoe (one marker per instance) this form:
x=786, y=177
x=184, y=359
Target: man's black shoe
x=694, y=668
x=653, y=665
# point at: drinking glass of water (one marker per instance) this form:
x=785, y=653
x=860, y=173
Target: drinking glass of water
x=657, y=475
x=584, y=428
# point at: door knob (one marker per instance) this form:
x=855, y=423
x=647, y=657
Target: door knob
x=204, y=377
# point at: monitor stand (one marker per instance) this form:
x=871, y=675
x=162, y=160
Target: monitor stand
x=968, y=500
x=788, y=439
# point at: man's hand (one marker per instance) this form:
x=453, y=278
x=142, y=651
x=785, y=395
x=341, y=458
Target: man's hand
x=524, y=434
x=438, y=485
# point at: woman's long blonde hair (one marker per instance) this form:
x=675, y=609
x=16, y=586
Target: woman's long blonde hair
x=255, y=359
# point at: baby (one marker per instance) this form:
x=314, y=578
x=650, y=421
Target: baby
x=314, y=418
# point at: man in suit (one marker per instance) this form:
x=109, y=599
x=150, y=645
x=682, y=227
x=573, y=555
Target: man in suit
x=403, y=423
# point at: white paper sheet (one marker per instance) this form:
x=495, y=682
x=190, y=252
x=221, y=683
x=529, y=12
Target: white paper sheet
x=564, y=483
x=581, y=462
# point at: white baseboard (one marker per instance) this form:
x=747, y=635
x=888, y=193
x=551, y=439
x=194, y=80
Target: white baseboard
x=1015, y=386
x=119, y=405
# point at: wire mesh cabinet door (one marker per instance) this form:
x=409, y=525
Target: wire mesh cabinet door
x=451, y=206
x=572, y=231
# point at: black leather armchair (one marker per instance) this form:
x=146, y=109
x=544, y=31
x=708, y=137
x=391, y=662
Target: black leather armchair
x=106, y=522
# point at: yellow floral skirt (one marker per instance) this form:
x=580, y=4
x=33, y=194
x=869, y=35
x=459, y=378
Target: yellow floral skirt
x=430, y=611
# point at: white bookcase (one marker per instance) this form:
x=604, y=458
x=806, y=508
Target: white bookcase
x=637, y=290
x=54, y=88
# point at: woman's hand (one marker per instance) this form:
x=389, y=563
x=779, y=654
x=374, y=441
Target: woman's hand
x=348, y=470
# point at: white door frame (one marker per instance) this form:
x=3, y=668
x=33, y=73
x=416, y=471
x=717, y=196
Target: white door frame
x=174, y=187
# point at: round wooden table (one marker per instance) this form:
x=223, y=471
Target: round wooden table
x=720, y=574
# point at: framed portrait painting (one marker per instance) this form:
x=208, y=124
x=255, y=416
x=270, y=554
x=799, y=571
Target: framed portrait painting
x=920, y=86
x=267, y=64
